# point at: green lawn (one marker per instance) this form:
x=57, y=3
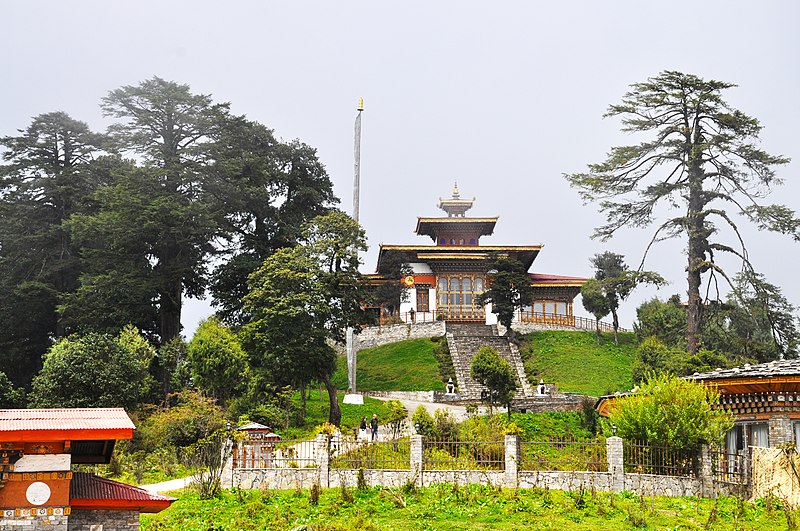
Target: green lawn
x=403, y=366
x=576, y=363
x=451, y=507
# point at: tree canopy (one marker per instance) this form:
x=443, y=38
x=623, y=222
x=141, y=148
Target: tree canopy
x=702, y=160
x=508, y=289
x=491, y=370
x=95, y=370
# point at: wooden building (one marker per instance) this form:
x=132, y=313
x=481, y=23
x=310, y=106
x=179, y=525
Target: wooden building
x=764, y=400
x=38, y=489
x=448, y=275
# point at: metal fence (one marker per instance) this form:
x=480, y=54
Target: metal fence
x=449, y=454
x=564, y=454
x=383, y=455
x=281, y=454
x=727, y=467
x=644, y=458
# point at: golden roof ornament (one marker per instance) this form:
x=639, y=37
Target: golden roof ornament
x=455, y=206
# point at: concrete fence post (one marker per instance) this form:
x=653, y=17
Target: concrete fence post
x=417, y=458
x=323, y=444
x=512, y=461
x=706, y=471
x=616, y=466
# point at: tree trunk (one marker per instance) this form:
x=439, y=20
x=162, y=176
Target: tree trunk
x=696, y=250
x=335, y=415
x=597, y=329
x=170, y=312
x=615, y=322
x=303, y=398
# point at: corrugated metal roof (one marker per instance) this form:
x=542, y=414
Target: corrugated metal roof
x=770, y=369
x=86, y=486
x=64, y=419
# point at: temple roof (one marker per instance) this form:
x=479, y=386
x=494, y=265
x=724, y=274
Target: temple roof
x=87, y=491
x=433, y=226
x=454, y=253
x=543, y=279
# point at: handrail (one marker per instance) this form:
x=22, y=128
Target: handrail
x=479, y=316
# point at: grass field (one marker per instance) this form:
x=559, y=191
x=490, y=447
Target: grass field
x=449, y=507
x=576, y=363
x=403, y=366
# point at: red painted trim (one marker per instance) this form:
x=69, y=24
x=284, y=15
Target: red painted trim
x=60, y=435
x=143, y=506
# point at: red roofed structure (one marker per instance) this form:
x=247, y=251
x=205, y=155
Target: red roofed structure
x=88, y=491
x=38, y=489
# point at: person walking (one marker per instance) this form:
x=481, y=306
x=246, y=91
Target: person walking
x=374, y=425
x=362, y=430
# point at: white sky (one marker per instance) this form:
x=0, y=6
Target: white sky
x=503, y=97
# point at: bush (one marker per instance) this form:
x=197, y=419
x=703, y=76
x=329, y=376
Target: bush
x=671, y=411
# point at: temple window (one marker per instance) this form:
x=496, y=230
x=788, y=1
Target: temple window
x=442, y=241
x=457, y=296
x=472, y=241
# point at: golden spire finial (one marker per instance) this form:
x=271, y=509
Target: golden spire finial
x=456, y=195
x=360, y=104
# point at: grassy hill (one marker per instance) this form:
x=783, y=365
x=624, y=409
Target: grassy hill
x=572, y=360
x=408, y=365
x=577, y=363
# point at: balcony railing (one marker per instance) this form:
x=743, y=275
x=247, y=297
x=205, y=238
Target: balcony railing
x=547, y=319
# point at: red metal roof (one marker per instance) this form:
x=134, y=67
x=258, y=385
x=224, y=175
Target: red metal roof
x=74, y=424
x=88, y=491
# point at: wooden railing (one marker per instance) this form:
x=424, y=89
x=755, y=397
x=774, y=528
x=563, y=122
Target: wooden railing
x=550, y=319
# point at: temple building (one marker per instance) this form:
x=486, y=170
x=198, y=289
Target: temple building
x=447, y=276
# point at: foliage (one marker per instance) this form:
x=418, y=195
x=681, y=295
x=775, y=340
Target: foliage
x=577, y=363
x=193, y=417
x=95, y=370
x=508, y=289
x=299, y=299
x=665, y=321
x=398, y=414
x=217, y=360
x=614, y=282
x=442, y=425
x=492, y=371
x=48, y=176
x=10, y=397
x=206, y=459
x=595, y=301
x=449, y=506
x=271, y=189
x=667, y=410
x=171, y=368
x=654, y=356
x=409, y=365
x=701, y=161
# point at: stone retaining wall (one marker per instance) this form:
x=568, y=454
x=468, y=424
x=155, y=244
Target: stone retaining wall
x=375, y=336
x=104, y=520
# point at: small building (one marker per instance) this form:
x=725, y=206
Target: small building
x=257, y=448
x=447, y=276
x=38, y=489
x=764, y=400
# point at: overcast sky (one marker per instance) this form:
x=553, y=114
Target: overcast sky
x=503, y=97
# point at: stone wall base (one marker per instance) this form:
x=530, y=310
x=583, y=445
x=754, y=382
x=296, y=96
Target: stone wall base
x=104, y=521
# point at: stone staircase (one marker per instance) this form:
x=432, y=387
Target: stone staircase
x=464, y=341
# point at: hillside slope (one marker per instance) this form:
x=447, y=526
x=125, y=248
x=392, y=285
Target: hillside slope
x=572, y=360
x=577, y=363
